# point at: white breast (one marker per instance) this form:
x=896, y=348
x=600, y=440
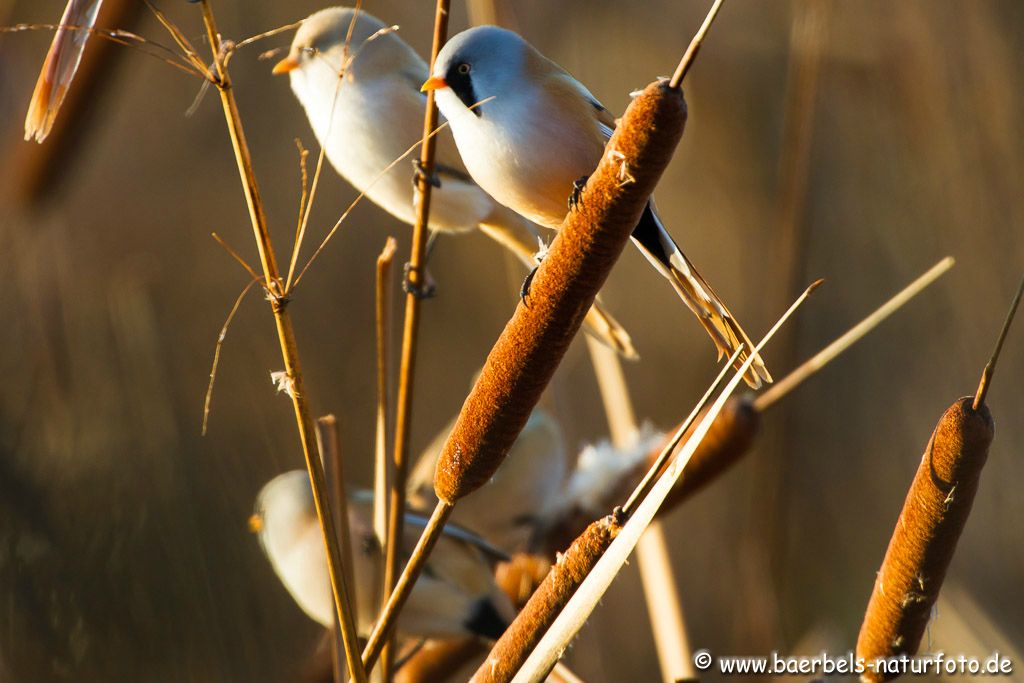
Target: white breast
x=523, y=155
x=368, y=126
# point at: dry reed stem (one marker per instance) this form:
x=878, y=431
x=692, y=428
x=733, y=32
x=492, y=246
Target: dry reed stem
x=544, y=656
x=328, y=441
x=410, y=328
x=691, y=51
x=580, y=258
x=565, y=577
x=664, y=609
x=990, y=367
x=289, y=348
x=382, y=289
x=925, y=537
x=417, y=559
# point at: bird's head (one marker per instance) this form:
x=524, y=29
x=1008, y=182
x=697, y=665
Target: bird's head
x=481, y=63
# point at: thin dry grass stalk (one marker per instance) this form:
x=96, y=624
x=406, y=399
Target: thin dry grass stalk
x=289, y=348
x=925, y=537
x=532, y=344
x=410, y=328
x=571, y=569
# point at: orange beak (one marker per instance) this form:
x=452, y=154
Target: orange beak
x=433, y=83
x=285, y=65
x=255, y=524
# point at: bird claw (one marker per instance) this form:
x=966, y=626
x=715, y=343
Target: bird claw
x=524, y=291
x=420, y=174
x=426, y=289
x=576, y=196
x=542, y=252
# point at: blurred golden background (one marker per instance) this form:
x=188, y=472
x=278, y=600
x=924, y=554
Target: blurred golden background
x=855, y=141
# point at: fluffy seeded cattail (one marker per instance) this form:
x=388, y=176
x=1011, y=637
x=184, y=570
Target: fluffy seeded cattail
x=547, y=601
x=581, y=256
x=925, y=536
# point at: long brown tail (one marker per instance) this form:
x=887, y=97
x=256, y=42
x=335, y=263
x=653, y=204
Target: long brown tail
x=520, y=237
x=662, y=251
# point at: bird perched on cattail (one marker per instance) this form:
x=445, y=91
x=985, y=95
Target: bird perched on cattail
x=369, y=118
x=530, y=134
x=455, y=596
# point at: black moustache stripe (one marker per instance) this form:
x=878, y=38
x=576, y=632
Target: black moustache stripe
x=462, y=85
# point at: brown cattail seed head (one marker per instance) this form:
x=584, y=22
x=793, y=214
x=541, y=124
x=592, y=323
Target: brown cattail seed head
x=540, y=611
x=532, y=344
x=730, y=437
x=925, y=537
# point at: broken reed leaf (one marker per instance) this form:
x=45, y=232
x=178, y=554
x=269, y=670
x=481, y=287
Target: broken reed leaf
x=544, y=605
x=59, y=67
x=533, y=342
x=925, y=536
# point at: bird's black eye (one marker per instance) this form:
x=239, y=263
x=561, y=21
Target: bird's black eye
x=309, y=51
x=463, y=68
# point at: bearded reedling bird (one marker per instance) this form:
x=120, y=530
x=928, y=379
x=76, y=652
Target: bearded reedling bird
x=537, y=133
x=456, y=595
x=508, y=511
x=369, y=118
